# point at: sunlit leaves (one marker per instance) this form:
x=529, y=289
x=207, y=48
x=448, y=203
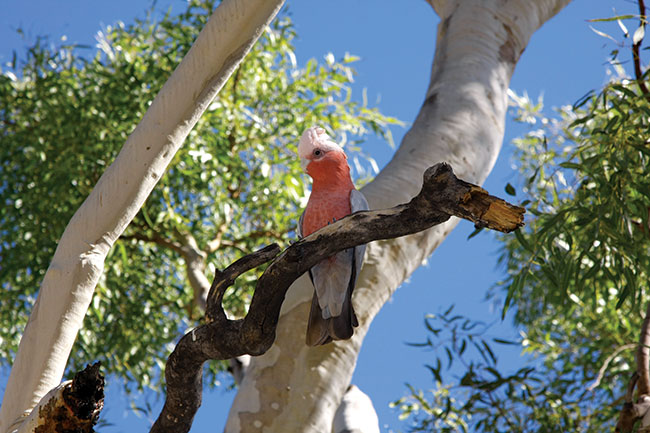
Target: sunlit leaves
x=576, y=283
x=234, y=186
x=591, y=202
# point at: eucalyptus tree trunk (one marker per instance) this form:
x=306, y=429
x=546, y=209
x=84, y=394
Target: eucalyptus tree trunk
x=69, y=283
x=296, y=388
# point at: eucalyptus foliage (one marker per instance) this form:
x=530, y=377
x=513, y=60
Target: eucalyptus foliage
x=577, y=279
x=234, y=186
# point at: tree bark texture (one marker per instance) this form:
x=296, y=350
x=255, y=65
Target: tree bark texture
x=73, y=406
x=355, y=414
x=632, y=411
x=69, y=283
x=294, y=388
x=443, y=195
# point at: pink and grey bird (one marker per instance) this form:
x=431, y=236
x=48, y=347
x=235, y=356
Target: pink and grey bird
x=333, y=196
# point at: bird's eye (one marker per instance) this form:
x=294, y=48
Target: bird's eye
x=318, y=152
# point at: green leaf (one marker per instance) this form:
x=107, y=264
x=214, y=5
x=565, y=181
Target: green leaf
x=475, y=232
x=614, y=18
x=603, y=34
x=519, y=234
x=507, y=342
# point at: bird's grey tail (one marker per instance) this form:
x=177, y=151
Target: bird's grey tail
x=321, y=331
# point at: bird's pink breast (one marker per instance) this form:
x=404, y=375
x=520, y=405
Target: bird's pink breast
x=323, y=208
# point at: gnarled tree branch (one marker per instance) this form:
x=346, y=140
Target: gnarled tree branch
x=442, y=196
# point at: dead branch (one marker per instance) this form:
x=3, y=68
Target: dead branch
x=443, y=195
x=73, y=406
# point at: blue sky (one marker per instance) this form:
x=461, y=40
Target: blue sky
x=395, y=41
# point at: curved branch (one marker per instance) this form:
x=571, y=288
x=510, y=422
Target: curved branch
x=155, y=238
x=187, y=247
x=608, y=360
x=443, y=195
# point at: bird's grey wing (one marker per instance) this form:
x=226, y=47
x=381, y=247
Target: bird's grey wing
x=358, y=203
x=299, y=228
x=331, y=278
x=317, y=327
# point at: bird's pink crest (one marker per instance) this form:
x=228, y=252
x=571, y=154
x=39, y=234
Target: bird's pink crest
x=315, y=138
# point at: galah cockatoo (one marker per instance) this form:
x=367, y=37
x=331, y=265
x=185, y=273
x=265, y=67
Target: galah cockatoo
x=333, y=196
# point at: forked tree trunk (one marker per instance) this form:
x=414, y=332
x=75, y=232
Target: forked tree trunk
x=295, y=388
x=78, y=262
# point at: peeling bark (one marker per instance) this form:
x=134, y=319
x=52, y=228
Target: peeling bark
x=72, y=407
x=461, y=121
x=443, y=195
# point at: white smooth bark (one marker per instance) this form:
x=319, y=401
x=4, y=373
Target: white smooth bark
x=35, y=419
x=355, y=414
x=69, y=283
x=295, y=388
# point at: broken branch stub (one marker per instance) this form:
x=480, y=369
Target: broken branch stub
x=73, y=406
x=443, y=195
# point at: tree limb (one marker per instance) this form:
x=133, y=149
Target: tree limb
x=187, y=247
x=155, y=238
x=72, y=406
x=643, y=356
x=442, y=196
x=608, y=360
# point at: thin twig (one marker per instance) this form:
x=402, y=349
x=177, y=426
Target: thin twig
x=608, y=360
x=155, y=239
x=218, y=241
x=223, y=280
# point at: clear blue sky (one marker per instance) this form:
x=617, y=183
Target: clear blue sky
x=395, y=40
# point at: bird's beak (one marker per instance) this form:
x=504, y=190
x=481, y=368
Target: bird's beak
x=304, y=162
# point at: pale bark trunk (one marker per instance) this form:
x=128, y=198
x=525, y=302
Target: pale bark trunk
x=53, y=397
x=195, y=263
x=295, y=388
x=355, y=414
x=77, y=264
